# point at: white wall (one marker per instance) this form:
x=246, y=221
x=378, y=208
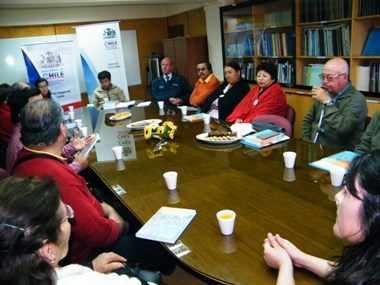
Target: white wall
x=55, y=15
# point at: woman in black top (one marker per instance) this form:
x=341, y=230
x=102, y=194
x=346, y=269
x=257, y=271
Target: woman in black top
x=223, y=101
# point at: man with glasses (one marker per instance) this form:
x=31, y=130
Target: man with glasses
x=96, y=227
x=206, y=84
x=337, y=116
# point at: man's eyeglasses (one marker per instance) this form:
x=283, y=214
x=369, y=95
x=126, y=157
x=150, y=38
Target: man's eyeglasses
x=329, y=77
x=201, y=69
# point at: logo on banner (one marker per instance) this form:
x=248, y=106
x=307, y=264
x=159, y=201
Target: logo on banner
x=50, y=60
x=109, y=36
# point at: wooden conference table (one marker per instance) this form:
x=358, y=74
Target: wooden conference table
x=253, y=183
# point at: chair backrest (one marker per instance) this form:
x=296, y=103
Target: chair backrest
x=367, y=121
x=290, y=115
x=277, y=120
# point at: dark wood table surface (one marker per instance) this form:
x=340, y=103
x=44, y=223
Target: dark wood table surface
x=215, y=177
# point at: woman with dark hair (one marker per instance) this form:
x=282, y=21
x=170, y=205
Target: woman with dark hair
x=43, y=85
x=358, y=222
x=266, y=98
x=223, y=101
x=34, y=236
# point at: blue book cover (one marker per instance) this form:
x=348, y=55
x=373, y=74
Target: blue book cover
x=341, y=159
x=371, y=46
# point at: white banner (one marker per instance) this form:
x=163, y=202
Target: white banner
x=56, y=63
x=100, y=49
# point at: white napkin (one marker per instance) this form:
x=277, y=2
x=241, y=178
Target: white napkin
x=143, y=104
x=242, y=129
x=125, y=104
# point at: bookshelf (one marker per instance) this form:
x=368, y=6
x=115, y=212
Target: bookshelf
x=258, y=32
x=303, y=35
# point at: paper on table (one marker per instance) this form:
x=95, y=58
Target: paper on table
x=144, y=104
x=167, y=224
x=125, y=104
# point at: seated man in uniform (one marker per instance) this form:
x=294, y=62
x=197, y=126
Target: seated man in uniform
x=171, y=87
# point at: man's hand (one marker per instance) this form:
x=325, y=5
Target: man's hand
x=319, y=94
x=175, y=101
x=107, y=262
x=110, y=213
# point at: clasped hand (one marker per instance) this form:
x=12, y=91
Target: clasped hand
x=280, y=252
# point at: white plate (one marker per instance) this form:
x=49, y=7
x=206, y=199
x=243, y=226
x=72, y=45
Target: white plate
x=202, y=137
x=140, y=125
x=125, y=115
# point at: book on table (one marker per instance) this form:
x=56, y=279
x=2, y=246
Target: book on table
x=194, y=117
x=264, y=138
x=338, y=160
x=93, y=139
x=167, y=224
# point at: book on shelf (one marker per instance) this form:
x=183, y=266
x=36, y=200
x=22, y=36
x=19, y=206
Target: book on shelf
x=264, y=138
x=311, y=74
x=338, y=160
x=371, y=46
x=167, y=224
x=194, y=117
x=363, y=78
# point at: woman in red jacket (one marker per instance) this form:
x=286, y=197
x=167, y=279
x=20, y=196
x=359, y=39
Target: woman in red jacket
x=266, y=98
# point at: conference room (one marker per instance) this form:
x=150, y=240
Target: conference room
x=266, y=196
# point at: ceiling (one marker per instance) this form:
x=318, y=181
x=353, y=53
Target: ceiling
x=76, y=3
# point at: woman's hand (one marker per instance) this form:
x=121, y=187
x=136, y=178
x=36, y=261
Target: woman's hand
x=82, y=160
x=78, y=143
x=295, y=254
x=274, y=255
x=107, y=262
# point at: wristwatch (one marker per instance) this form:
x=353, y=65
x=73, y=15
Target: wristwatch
x=328, y=103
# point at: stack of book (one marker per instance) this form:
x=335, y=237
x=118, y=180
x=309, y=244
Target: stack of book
x=320, y=10
x=264, y=138
x=368, y=77
x=327, y=40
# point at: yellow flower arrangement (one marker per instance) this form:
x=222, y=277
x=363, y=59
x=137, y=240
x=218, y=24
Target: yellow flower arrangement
x=166, y=130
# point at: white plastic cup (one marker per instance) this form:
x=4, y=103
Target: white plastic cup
x=171, y=179
x=71, y=108
x=289, y=174
x=183, y=110
x=160, y=104
x=78, y=122
x=118, y=152
x=71, y=116
x=226, y=220
x=337, y=175
x=289, y=158
x=84, y=130
x=206, y=119
x=120, y=165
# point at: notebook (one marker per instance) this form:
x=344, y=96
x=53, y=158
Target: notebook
x=167, y=224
